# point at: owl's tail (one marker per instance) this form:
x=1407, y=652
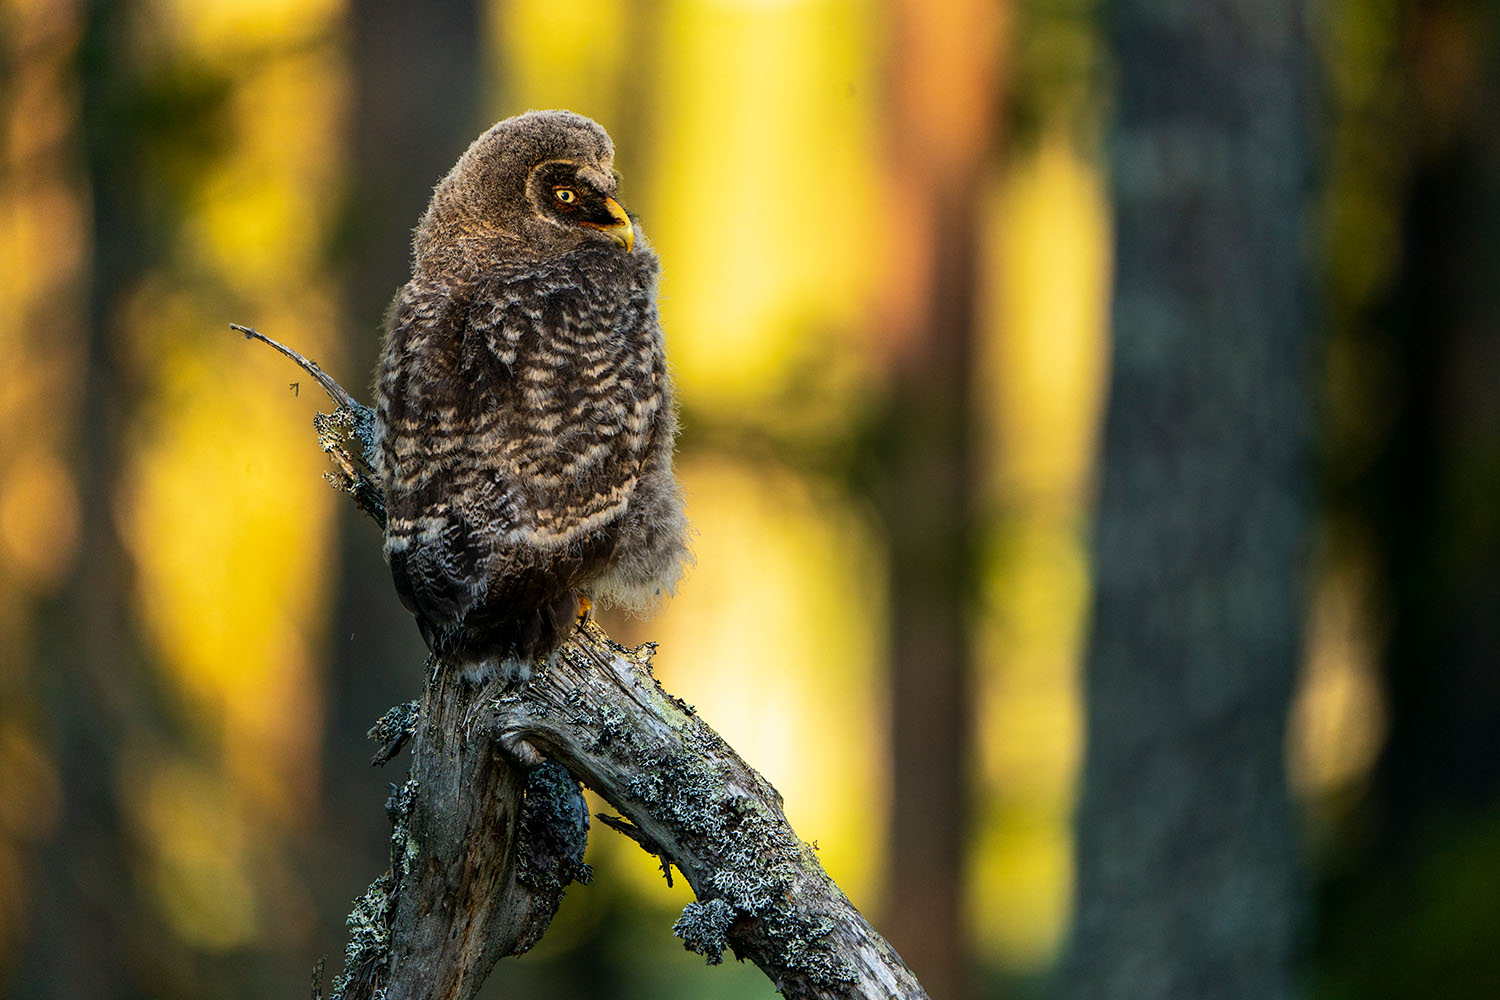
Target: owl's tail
x=500, y=643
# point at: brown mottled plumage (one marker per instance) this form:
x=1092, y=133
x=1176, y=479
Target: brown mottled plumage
x=526, y=416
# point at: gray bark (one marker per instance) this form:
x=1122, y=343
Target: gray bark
x=481, y=853
x=1188, y=875
x=690, y=799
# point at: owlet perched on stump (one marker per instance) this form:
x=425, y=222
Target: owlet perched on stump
x=525, y=414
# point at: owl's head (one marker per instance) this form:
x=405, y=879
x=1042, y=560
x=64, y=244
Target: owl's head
x=532, y=187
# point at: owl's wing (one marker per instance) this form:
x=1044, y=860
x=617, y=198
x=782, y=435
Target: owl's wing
x=426, y=428
x=504, y=482
x=574, y=372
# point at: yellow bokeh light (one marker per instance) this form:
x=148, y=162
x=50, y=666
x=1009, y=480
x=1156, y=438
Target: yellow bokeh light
x=229, y=29
x=577, y=57
x=774, y=639
x=38, y=519
x=43, y=250
x=260, y=217
x=1338, y=716
x=221, y=503
x=1040, y=383
x=1044, y=372
x=762, y=192
x=229, y=537
x=196, y=852
x=1024, y=870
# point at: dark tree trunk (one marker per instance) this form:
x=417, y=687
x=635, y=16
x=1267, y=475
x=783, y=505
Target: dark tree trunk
x=931, y=538
x=1188, y=874
x=92, y=667
x=947, y=53
x=417, y=73
x=1413, y=904
x=416, y=107
x=1434, y=493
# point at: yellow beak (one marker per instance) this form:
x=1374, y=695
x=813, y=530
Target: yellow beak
x=622, y=230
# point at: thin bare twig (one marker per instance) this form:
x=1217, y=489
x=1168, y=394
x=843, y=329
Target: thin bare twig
x=347, y=435
x=335, y=391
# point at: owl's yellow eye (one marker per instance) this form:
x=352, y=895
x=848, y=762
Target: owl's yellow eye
x=565, y=195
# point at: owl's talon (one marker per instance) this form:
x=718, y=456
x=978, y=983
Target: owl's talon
x=585, y=608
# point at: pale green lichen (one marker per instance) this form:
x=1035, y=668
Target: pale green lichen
x=702, y=927
x=755, y=868
x=404, y=846
x=369, y=922
x=369, y=926
x=553, y=834
x=397, y=723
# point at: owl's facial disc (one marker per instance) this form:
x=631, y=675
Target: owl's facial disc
x=572, y=195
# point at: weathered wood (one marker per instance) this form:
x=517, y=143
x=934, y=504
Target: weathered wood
x=471, y=888
x=490, y=827
x=597, y=710
x=481, y=853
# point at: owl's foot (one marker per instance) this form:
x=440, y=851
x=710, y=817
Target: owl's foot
x=585, y=608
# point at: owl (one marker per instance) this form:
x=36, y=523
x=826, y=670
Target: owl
x=525, y=417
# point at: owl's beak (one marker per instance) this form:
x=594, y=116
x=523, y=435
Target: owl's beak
x=621, y=230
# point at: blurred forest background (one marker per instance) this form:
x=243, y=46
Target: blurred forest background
x=1092, y=430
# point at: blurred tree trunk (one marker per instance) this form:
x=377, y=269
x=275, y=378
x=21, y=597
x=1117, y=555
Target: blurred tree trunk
x=1433, y=495
x=416, y=108
x=1413, y=904
x=90, y=924
x=1188, y=872
x=942, y=80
